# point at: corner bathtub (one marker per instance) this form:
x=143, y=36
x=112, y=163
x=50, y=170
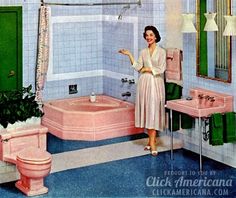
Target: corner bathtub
x=79, y=119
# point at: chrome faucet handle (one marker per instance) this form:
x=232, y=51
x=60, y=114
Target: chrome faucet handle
x=124, y=80
x=123, y=94
x=127, y=94
x=211, y=98
x=131, y=81
x=200, y=96
x=206, y=97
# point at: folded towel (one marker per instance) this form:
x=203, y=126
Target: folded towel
x=216, y=130
x=173, y=64
x=229, y=134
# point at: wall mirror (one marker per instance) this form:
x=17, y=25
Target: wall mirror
x=213, y=50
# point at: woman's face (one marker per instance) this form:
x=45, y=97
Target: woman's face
x=150, y=37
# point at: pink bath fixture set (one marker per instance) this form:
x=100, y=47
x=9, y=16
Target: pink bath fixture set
x=26, y=148
x=81, y=119
x=202, y=103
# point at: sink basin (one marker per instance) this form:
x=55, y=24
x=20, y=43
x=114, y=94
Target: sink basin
x=203, y=104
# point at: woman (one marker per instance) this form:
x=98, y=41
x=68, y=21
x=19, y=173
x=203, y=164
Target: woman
x=150, y=96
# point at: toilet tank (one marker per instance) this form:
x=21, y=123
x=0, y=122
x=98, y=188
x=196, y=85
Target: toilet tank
x=15, y=140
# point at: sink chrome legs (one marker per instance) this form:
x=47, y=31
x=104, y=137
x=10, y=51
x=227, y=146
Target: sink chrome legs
x=199, y=123
x=171, y=139
x=200, y=143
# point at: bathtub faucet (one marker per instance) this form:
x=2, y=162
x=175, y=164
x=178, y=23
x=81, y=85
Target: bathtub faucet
x=124, y=80
x=132, y=81
x=128, y=94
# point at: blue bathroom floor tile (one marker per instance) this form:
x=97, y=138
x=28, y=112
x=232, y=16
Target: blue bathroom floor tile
x=132, y=178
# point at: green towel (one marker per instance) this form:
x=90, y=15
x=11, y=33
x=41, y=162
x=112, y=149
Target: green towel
x=218, y=120
x=186, y=121
x=216, y=129
x=173, y=91
x=229, y=134
x=175, y=121
x=170, y=88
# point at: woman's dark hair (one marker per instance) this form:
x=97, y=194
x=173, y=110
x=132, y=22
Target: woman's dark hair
x=155, y=31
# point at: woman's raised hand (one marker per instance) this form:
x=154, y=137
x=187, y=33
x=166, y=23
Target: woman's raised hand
x=124, y=51
x=127, y=52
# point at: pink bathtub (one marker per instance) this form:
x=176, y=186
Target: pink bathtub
x=79, y=119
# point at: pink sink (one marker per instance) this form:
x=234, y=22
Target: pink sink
x=203, y=104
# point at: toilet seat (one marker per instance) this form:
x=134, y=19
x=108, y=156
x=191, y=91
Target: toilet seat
x=33, y=155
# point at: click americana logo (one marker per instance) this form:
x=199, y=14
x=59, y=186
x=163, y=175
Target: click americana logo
x=188, y=183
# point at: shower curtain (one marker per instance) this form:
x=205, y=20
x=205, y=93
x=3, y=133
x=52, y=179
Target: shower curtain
x=43, y=52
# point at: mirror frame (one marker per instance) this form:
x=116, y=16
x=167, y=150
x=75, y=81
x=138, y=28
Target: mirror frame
x=202, y=19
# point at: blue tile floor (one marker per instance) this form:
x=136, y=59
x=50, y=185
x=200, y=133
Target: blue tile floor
x=57, y=145
x=143, y=176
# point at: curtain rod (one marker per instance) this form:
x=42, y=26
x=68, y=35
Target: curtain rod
x=91, y=4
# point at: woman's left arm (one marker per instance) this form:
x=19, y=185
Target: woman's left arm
x=145, y=70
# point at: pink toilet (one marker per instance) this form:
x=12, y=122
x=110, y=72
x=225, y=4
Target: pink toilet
x=27, y=149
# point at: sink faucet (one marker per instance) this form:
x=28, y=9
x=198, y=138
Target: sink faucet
x=211, y=98
x=206, y=97
x=200, y=96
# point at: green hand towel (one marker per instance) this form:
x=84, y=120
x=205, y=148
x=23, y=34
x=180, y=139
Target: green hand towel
x=186, y=121
x=229, y=134
x=216, y=129
x=177, y=92
x=218, y=120
x=173, y=91
x=170, y=88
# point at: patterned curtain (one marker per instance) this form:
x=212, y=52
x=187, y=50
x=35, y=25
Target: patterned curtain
x=43, y=52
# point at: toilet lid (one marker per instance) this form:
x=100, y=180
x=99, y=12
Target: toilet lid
x=34, y=154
